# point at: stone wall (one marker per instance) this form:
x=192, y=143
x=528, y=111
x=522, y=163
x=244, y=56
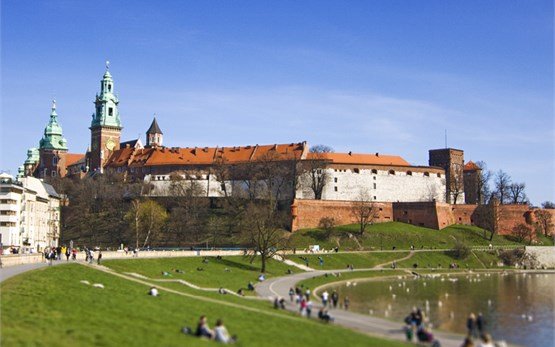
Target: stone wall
x=544, y=255
x=308, y=213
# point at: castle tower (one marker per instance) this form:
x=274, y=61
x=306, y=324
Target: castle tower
x=106, y=125
x=154, y=135
x=452, y=161
x=52, y=149
x=472, y=189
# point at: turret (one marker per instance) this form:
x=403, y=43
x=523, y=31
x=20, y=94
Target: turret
x=154, y=135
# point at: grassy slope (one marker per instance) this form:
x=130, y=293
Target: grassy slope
x=476, y=260
x=240, y=271
x=51, y=307
x=340, y=260
x=401, y=235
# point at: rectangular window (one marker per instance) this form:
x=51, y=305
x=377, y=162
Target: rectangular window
x=335, y=188
x=110, y=111
x=335, y=179
x=374, y=185
x=54, y=173
x=54, y=160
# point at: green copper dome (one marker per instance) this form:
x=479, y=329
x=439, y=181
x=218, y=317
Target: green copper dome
x=32, y=156
x=53, y=137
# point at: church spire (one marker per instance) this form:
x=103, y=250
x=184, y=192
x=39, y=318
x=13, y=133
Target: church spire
x=106, y=103
x=154, y=134
x=53, y=136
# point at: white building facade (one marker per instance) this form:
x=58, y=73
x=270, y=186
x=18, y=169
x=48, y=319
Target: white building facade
x=29, y=214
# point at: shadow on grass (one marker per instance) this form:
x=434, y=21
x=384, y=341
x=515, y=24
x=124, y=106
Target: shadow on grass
x=236, y=265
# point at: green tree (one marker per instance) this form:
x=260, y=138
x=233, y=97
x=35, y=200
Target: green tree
x=146, y=218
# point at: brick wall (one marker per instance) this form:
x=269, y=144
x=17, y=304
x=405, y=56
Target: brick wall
x=308, y=213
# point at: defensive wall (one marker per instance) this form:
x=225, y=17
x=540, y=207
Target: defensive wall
x=432, y=214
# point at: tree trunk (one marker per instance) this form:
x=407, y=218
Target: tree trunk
x=263, y=267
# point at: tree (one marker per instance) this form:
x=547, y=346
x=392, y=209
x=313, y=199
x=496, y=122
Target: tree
x=502, y=182
x=314, y=169
x=264, y=230
x=522, y=232
x=364, y=211
x=544, y=221
x=146, y=218
x=457, y=183
x=548, y=204
x=484, y=176
x=491, y=216
x=517, y=194
x=328, y=224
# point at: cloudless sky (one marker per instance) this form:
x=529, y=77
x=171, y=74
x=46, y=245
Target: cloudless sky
x=364, y=76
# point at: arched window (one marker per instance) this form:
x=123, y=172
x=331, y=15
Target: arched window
x=409, y=173
x=392, y=172
x=427, y=174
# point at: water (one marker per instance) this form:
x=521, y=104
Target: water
x=518, y=308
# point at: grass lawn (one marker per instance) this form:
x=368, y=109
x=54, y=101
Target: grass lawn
x=476, y=260
x=51, y=307
x=321, y=280
x=232, y=272
x=400, y=235
x=340, y=260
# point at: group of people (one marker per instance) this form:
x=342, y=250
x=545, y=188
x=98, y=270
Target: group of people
x=476, y=327
x=416, y=325
x=56, y=253
x=218, y=334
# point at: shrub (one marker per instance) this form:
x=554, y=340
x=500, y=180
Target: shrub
x=328, y=224
x=512, y=257
x=460, y=251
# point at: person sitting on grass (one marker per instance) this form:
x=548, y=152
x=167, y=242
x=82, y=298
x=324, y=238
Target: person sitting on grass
x=250, y=286
x=221, y=334
x=203, y=330
x=324, y=315
x=153, y=291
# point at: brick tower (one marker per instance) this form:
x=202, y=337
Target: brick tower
x=106, y=125
x=452, y=161
x=52, y=149
x=472, y=189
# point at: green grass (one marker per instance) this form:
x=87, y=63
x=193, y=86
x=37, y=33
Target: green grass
x=232, y=272
x=51, y=307
x=400, y=235
x=340, y=260
x=329, y=278
x=441, y=259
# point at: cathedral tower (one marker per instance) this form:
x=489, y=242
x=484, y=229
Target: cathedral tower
x=52, y=148
x=106, y=125
x=154, y=135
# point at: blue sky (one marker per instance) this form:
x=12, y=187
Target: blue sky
x=362, y=76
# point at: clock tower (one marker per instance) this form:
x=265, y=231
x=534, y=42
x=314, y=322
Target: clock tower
x=106, y=125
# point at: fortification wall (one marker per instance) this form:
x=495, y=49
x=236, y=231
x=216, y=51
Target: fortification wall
x=417, y=213
x=308, y=213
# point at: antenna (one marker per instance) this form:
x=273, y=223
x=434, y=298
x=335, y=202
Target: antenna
x=445, y=138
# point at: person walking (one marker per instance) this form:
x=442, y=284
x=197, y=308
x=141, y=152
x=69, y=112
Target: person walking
x=99, y=257
x=346, y=303
x=68, y=253
x=481, y=324
x=334, y=298
x=471, y=326
x=291, y=294
x=325, y=297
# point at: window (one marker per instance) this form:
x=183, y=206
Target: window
x=427, y=174
x=439, y=175
x=54, y=160
x=54, y=173
x=374, y=178
x=110, y=111
x=335, y=179
x=374, y=185
x=109, y=87
x=375, y=198
x=335, y=188
x=356, y=170
x=374, y=171
x=409, y=173
x=392, y=172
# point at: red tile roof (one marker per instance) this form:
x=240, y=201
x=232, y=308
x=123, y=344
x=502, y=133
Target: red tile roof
x=471, y=166
x=72, y=158
x=368, y=159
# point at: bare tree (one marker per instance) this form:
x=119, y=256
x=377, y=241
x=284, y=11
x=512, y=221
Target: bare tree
x=548, y=205
x=484, y=176
x=364, y=210
x=522, y=232
x=147, y=218
x=491, y=216
x=544, y=221
x=502, y=183
x=457, y=183
x=314, y=171
x=517, y=194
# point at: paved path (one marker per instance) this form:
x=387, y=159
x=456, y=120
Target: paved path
x=367, y=324
x=11, y=271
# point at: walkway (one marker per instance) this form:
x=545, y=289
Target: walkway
x=11, y=271
x=367, y=324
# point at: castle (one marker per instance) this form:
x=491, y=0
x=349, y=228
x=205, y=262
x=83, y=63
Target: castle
x=385, y=178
